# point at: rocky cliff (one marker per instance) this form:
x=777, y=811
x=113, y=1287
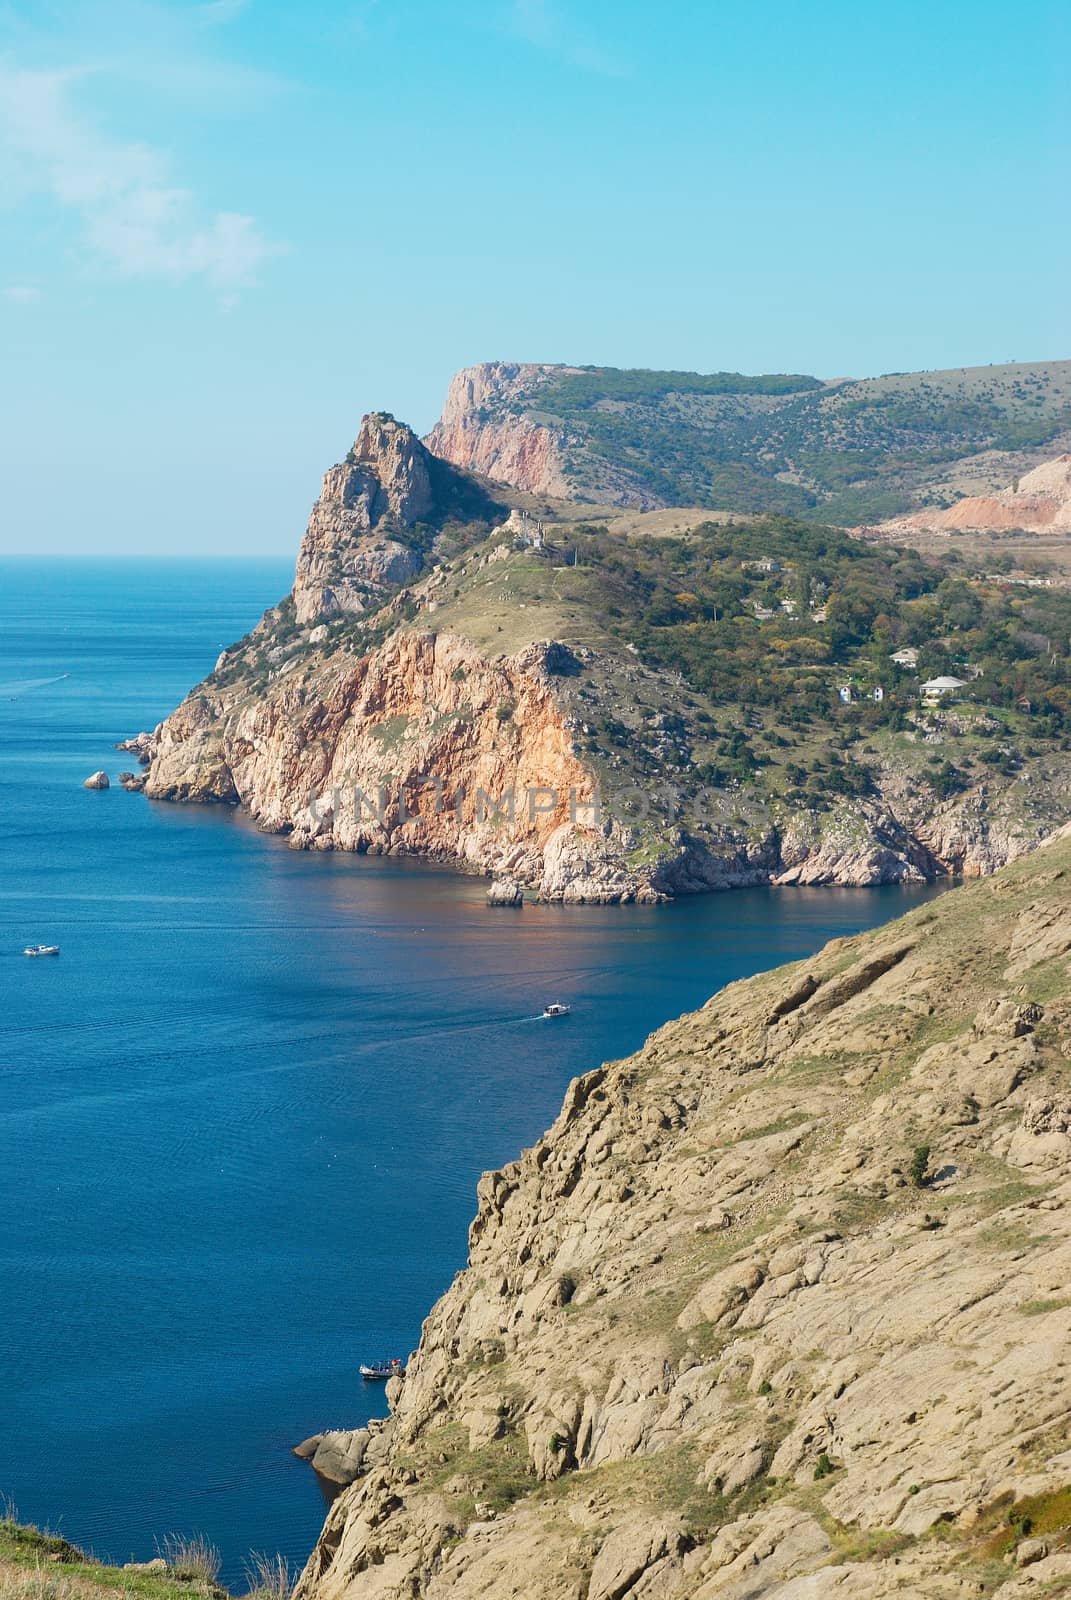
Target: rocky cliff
x=361, y=541
x=778, y=1307
x=482, y=429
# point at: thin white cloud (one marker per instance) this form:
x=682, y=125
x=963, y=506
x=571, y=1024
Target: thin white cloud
x=218, y=13
x=23, y=294
x=132, y=215
x=547, y=25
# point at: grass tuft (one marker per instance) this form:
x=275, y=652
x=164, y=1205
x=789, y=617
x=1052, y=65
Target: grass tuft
x=190, y=1556
x=269, y=1577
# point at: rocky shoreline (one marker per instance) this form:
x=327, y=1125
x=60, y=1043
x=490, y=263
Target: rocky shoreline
x=289, y=759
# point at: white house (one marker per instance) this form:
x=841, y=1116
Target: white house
x=934, y=688
x=908, y=657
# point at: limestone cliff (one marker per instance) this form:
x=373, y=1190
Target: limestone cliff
x=480, y=431
x=389, y=485
x=778, y=1307
x=422, y=747
x=448, y=679
x=438, y=715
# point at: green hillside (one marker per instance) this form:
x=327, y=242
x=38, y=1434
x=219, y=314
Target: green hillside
x=845, y=452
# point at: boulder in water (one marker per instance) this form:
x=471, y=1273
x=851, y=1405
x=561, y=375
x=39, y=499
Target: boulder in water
x=97, y=780
x=505, y=892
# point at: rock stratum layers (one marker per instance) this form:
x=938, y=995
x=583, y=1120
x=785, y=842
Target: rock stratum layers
x=481, y=431
x=778, y=1307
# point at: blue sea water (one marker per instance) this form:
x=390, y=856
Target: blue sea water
x=243, y=1115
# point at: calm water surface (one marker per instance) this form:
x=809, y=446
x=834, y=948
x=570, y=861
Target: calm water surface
x=242, y=1116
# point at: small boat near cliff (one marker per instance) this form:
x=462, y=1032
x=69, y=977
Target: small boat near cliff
x=41, y=950
x=377, y=1371
x=556, y=1010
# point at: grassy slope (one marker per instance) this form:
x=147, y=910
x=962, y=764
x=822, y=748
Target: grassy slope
x=41, y=1566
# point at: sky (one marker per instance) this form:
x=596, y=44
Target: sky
x=229, y=228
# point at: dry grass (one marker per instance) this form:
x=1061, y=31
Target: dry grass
x=38, y=1585
x=269, y=1577
x=190, y=1556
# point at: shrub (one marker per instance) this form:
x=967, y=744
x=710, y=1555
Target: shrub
x=824, y=1467
x=919, y=1162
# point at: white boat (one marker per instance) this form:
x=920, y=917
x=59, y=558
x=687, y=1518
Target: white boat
x=378, y=1370
x=41, y=950
x=556, y=1010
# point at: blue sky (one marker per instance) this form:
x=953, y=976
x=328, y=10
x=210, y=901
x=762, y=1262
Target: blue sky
x=231, y=227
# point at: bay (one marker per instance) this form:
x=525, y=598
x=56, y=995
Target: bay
x=243, y=1115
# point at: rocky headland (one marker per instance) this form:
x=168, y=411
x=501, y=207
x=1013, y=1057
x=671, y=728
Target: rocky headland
x=438, y=683
x=778, y=1307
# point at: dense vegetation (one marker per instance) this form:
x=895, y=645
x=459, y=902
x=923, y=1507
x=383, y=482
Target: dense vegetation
x=574, y=391
x=845, y=604
x=769, y=621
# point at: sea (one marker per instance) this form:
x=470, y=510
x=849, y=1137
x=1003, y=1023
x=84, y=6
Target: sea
x=243, y=1114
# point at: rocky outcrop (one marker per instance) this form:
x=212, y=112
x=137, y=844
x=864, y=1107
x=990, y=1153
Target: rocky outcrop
x=385, y=709
x=428, y=746
x=347, y=556
x=1037, y=502
x=141, y=745
x=423, y=747
x=479, y=430
x=97, y=780
x=505, y=892
x=778, y=1307
x=340, y=1454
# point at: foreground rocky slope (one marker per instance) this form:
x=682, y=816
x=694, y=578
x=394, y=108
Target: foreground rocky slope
x=778, y=1307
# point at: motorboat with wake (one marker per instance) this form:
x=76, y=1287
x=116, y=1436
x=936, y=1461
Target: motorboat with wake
x=41, y=950
x=555, y=1009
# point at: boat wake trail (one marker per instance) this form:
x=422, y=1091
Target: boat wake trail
x=21, y=686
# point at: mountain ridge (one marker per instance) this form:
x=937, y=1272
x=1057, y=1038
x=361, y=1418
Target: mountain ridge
x=847, y=450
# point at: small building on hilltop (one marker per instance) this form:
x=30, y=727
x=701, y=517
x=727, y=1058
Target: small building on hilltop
x=937, y=688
